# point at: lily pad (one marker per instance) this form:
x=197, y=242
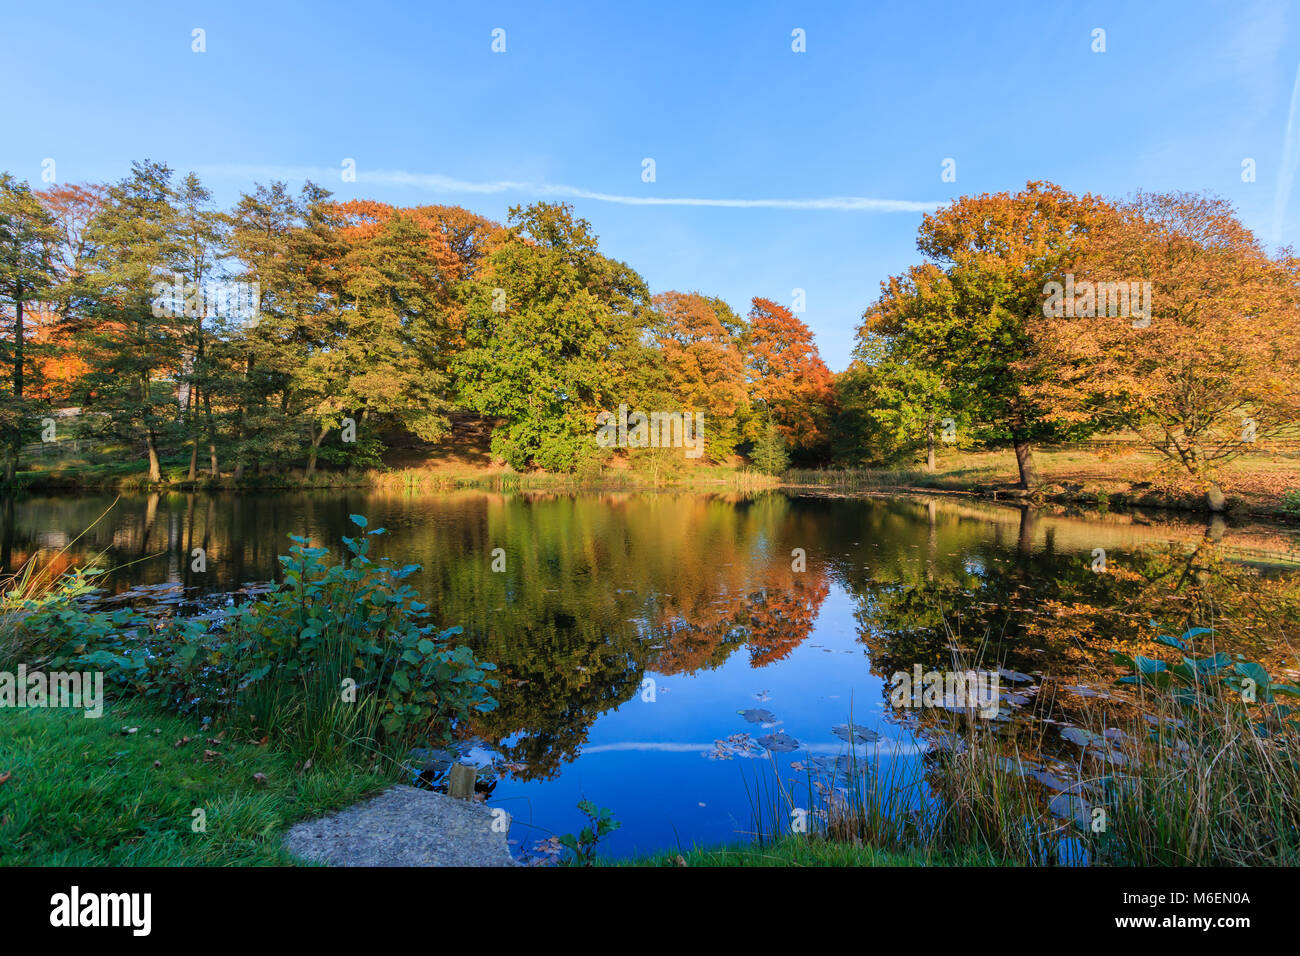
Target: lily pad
x=1084, y=738
x=779, y=743
x=852, y=734
x=1071, y=806
x=1014, y=676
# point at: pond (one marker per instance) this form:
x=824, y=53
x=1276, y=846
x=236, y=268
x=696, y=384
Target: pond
x=661, y=653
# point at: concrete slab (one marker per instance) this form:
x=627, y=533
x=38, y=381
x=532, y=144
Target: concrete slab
x=404, y=826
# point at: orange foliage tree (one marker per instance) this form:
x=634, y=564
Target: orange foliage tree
x=788, y=378
x=1210, y=363
x=699, y=339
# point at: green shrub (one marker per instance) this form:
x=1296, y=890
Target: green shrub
x=340, y=648
x=582, y=847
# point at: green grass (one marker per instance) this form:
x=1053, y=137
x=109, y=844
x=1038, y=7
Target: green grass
x=807, y=851
x=1126, y=475
x=83, y=793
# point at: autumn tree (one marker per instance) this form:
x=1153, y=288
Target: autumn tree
x=201, y=237
x=963, y=323
x=398, y=340
x=72, y=208
x=1209, y=365
x=133, y=341
x=700, y=344
x=790, y=384
x=906, y=391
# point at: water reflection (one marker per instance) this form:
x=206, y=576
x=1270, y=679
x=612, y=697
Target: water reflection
x=706, y=597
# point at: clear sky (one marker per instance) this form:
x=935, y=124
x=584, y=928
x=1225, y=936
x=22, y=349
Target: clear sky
x=712, y=92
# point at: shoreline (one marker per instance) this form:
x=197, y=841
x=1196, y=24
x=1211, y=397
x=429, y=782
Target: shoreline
x=845, y=483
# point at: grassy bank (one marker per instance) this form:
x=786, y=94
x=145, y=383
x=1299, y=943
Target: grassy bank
x=1108, y=477
x=122, y=790
x=296, y=702
x=805, y=851
x=1264, y=483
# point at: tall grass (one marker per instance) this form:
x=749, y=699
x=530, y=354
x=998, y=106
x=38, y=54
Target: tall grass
x=1202, y=779
x=307, y=715
x=419, y=479
x=1211, y=791
x=866, y=479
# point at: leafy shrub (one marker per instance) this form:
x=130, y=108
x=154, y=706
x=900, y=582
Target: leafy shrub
x=345, y=644
x=600, y=823
x=361, y=614
x=1199, y=681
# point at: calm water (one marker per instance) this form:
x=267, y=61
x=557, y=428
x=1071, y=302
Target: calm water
x=633, y=629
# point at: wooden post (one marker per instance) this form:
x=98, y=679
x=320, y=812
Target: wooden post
x=461, y=785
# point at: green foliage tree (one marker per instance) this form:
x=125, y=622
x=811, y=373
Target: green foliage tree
x=769, y=453
x=553, y=336
x=135, y=335
x=26, y=274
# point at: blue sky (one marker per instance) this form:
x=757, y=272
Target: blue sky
x=712, y=92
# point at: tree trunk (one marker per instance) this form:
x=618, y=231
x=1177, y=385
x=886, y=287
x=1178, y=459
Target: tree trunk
x=315, y=445
x=192, y=412
x=15, y=441
x=929, y=447
x=19, y=332
x=1214, y=499
x=1025, y=462
x=155, y=467
x=212, y=434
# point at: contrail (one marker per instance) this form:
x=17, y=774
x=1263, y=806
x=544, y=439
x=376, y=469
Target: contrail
x=1286, y=172
x=434, y=182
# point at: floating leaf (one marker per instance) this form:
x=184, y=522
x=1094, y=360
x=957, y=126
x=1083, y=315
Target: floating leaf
x=779, y=743
x=855, y=735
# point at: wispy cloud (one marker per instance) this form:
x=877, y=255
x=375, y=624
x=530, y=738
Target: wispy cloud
x=1290, y=157
x=895, y=748
x=437, y=183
